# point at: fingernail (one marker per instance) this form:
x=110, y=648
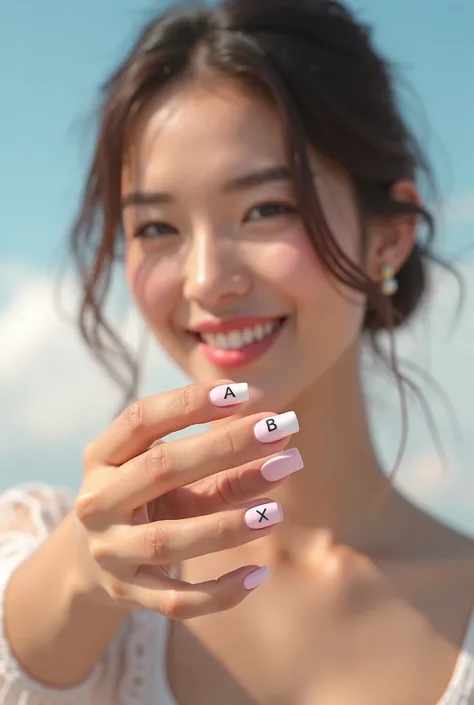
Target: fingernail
x=256, y=578
x=229, y=394
x=282, y=465
x=276, y=427
x=263, y=515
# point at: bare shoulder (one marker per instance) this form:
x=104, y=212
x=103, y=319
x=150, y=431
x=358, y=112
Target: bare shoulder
x=453, y=553
x=430, y=537
x=441, y=555
x=451, y=542
x=443, y=577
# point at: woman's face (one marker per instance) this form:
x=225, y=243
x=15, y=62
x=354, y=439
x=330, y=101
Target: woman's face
x=217, y=258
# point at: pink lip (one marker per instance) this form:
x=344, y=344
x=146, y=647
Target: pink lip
x=230, y=359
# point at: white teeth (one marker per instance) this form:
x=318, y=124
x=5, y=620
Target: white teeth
x=247, y=336
x=236, y=339
x=221, y=341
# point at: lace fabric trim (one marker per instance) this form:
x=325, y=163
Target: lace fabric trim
x=139, y=639
x=28, y=514
x=31, y=512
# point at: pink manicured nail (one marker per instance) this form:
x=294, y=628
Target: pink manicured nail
x=282, y=465
x=229, y=394
x=264, y=515
x=276, y=427
x=256, y=578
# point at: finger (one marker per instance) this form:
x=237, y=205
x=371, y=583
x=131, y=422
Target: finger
x=234, y=486
x=140, y=424
x=177, y=599
x=165, y=542
x=170, y=465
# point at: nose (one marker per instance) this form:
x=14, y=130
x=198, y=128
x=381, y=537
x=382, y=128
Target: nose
x=214, y=272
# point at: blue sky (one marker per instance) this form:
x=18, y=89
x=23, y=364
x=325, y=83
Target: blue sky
x=57, y=56
x=54, y=55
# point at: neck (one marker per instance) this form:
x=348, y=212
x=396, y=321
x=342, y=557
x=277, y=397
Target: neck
x=330, y=501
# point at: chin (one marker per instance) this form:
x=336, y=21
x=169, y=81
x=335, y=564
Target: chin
x=274, y=384
x=274, y=394
x=270, y=390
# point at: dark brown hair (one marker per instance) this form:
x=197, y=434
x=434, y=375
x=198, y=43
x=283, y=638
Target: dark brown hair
x=333, y=92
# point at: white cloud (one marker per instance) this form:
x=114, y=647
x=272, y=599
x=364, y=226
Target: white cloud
x=54, y=397
x=25, y=325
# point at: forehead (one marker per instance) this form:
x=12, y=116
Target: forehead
x=207, y=127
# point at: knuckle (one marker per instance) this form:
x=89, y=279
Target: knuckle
x=87, y=505
x=135, y=416
x=118, y=591
x=155, y=543
x=88, y=455
x=156, y=462
x=223, y=528
x=185, y=400
x=228, y=486
x=174, y=606
x=99, y=551
x=228, y=445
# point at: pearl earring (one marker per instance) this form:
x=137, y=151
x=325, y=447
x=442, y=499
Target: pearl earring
x=389, y=285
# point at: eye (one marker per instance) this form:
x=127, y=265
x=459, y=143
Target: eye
x=269, y=210
x=155, y=229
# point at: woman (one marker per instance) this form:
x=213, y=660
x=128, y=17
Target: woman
x=252, y=162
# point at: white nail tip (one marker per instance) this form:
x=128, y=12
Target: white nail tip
x=229, y=394
x=275, y=428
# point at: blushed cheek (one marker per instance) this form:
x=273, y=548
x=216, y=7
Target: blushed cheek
x=155, y=288
x=292, y=266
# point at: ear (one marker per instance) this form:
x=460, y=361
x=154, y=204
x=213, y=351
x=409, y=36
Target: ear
x=392, y=239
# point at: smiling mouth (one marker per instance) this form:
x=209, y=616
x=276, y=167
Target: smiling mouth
x=239, y=338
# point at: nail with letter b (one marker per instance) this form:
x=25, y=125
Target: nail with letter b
x=276, y=427
x=229, y=394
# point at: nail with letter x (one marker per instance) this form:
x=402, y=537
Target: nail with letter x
x=276, y=427
x=263, y=515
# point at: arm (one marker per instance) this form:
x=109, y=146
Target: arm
x=53, y=635
x=69, y=588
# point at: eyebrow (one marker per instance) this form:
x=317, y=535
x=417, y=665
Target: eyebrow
x=239, y=183
x=257, y=178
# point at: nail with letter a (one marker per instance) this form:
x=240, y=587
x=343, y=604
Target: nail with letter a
x=229, y=394
x=276, y=427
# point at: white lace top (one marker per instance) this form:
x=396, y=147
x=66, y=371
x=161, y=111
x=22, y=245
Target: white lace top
x=132, y=671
